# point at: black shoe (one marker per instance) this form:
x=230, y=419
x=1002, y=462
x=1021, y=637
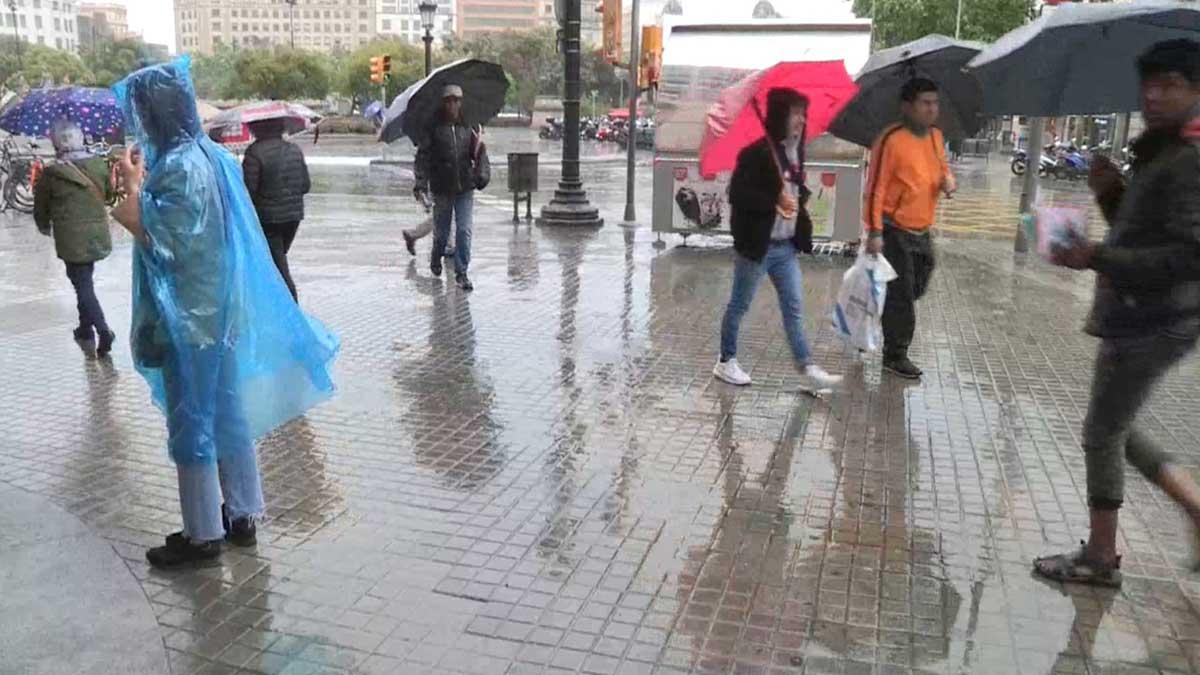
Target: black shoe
x=410, y=243
x=106, y=343
x=180, y=551
x=239, y=532
x=902, y=367
x=435, y=266
x=464, y=283
x=242, y=532
x=83, y=334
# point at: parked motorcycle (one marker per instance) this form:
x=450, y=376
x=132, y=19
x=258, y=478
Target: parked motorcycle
x=552, y=130
x=1020, y=161
x=588, y=129
x=1072, y=164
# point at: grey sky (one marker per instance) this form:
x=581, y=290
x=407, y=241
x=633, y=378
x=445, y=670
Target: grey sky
x=155, y=19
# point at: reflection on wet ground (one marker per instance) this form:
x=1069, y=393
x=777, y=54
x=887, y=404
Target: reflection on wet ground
x=543, y=476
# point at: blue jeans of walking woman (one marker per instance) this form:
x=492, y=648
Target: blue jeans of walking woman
x=447, y=210
x=781, y=265
x=233, y=479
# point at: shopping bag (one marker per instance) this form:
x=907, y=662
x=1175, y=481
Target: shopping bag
x=858, y=314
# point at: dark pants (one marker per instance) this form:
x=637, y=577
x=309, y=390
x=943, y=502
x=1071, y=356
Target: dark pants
x=1127, y=370
x=280, y=237
x=91, y=316
x=911, y=255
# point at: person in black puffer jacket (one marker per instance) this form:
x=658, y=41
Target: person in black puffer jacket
x=277, y=179
x=448, y=166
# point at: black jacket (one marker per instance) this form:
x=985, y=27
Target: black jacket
x=753, y=192
x=1148, y=267
x=277, y=179
x=444, y=162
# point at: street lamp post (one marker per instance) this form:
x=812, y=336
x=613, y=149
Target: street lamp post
x=12, y=7
x=570, y=205
x=428, y=10
x=634, y=90
x=292, y=20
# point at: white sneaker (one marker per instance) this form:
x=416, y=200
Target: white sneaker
x=731, y=372
x=821, y=379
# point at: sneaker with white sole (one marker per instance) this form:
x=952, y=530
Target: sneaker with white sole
x=819, y=378
x=729, y=371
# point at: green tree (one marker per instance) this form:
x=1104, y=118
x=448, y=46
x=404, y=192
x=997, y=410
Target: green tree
x=39, y=64
x=283, y=74
x=353, y=76
x=216, y=75
x=600, y=76
x=900, y=21
x=530, y=57
x=112, y=60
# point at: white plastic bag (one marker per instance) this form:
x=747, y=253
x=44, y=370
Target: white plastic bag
x=858, y=314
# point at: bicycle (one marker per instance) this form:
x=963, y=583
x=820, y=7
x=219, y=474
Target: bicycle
x=19, y=171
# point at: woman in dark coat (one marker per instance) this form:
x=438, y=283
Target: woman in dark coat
x=277, y=179
x=770, y=226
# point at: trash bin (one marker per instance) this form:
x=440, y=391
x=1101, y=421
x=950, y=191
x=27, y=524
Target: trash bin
x=522, y=178
x=522, y=172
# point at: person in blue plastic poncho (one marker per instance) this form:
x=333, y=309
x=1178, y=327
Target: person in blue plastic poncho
x=227, y=353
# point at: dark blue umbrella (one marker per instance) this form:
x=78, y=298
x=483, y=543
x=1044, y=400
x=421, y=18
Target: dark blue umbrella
x=95, y=110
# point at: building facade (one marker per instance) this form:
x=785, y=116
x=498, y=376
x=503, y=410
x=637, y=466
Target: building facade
x=99, y=23
x=202, y=26
x=486, y=16
x=44, y=22
x=401, y=19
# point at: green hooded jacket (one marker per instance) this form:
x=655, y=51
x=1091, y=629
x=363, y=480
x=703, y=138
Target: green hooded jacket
x=65, y=205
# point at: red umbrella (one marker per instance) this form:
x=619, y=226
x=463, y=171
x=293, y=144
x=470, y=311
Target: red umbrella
x=736, y=119
x=296, y=118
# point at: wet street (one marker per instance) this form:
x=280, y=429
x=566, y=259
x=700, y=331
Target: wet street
x=543, y=476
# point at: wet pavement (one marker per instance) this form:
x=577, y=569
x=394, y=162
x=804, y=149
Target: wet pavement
x=544, y=477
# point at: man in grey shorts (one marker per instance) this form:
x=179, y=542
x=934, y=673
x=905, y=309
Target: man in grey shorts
x=1147, y=304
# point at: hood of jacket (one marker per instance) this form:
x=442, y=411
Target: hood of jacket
x=159, y=103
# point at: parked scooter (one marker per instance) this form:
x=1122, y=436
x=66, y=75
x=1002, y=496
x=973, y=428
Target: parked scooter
x=1072, y=164
x=552, y=130
x=1020, y=161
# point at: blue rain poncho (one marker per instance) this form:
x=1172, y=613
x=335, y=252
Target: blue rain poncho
x=228, y=354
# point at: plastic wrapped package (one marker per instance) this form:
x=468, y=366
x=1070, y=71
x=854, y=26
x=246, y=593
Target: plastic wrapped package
x=228, y=354
x=1054, y=226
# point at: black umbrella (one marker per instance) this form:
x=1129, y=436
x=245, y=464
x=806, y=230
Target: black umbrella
x=1079, y=59
x=935, y=57
x=413, y=112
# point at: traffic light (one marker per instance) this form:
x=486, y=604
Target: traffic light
x=376, y=70
x=387, y=65
x=650, y=64
x=611, y=29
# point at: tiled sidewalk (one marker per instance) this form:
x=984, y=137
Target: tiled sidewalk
x=543, y=476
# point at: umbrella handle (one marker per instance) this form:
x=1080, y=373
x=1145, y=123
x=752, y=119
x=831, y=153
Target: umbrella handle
x=771, y=143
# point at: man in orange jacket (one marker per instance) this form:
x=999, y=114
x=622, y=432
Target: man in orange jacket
x=908, y=174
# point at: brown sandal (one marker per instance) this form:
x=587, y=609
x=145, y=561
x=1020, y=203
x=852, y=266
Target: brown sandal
x=1077, y=568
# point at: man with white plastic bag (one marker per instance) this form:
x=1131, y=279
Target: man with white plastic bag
x=858, y=314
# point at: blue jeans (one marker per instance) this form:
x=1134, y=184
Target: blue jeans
x=781, y=264
x=447, y=208
x=233, y=478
